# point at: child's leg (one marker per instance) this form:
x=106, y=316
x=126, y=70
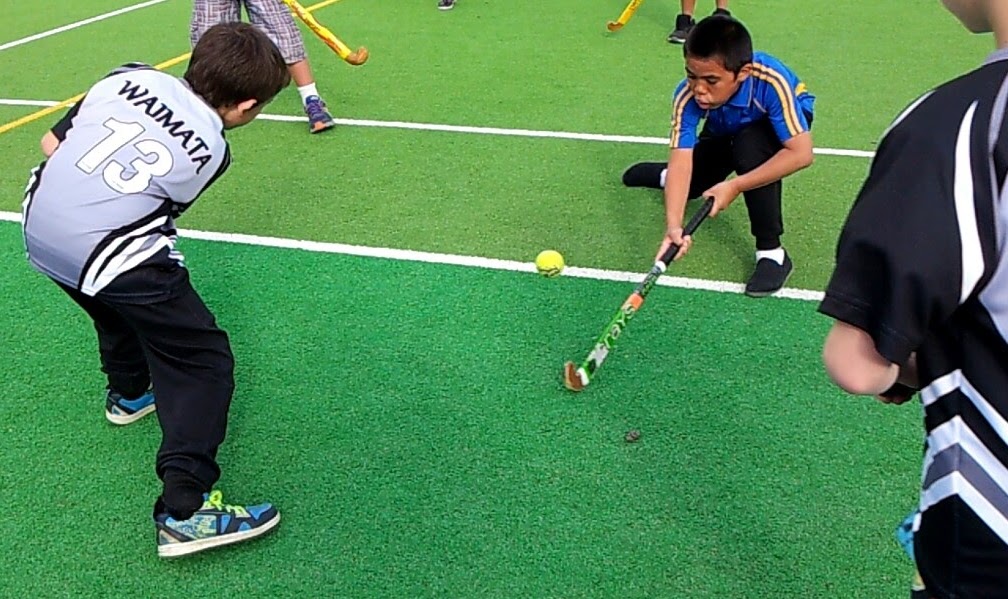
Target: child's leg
x=207, y=13
x=684, y=22
x=753, y=146
x=122, y=356
x=192, y=368
x=712, y=163
x=273, y=17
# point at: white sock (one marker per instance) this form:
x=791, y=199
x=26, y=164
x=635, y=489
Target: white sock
x=775, y=255
x=661, y=180
x=307, y=90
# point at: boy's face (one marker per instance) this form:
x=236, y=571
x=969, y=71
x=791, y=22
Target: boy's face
x=711, y=83
x=972, y=13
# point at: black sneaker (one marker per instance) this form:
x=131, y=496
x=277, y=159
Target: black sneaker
x=644, y=174
x=768, y=277
x=446, y=4
x=721, y=11
x=683, y=24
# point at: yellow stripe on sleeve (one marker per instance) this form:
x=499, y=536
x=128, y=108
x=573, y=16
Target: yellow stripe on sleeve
x=678, y=108
x=784, y=92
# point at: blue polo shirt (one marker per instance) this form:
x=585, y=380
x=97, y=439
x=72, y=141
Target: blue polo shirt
x=772, y=91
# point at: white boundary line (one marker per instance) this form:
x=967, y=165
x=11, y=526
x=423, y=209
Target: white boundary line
x=108, y=15
x=41, y=103
x=471, y=261
x=632, y=139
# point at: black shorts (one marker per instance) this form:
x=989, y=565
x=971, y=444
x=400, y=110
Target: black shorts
x=958, y=555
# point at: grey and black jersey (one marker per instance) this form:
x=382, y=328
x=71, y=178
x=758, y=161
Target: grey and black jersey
x=134, y=153
x=922, y=266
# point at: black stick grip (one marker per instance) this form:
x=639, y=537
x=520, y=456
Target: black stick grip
x=691, y=226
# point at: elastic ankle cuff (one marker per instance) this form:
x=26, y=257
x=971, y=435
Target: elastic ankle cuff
x=182, y=495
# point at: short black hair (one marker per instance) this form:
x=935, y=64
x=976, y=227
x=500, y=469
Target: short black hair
x=719, y=36
x=234, y=62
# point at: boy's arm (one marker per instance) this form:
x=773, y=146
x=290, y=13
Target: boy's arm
x=49, y=143
x=788, y=120
x=793, y=157
x=677, y=184
x=54, y=136
x=853, y=363
x=686, y=117
x=899, y=265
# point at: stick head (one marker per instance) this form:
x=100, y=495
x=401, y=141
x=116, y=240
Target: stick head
x=573, y=378
x=358, y=56
x=614, y=25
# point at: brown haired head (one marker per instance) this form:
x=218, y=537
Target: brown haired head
x=235, y=62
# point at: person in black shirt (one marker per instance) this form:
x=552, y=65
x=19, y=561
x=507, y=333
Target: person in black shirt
x=919, y=296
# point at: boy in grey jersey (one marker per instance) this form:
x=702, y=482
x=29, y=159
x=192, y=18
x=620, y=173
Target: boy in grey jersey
x=127, y=159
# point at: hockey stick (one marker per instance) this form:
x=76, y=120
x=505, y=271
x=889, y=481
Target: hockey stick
x=577, y=378
x=354, y=57
x=624, y=16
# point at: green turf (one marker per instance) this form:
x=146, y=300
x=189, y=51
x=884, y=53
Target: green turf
x=408, y=419
x=64, y=65
x=414, y=443
x=9, y=113
x=531, y=194
x=23, y=19
x=503, y=70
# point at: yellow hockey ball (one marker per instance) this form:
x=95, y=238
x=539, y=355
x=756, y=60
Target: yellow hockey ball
x=549, y=263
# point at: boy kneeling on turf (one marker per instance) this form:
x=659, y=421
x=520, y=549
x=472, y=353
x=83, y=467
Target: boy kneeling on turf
x=757, y=117
x=98, y=220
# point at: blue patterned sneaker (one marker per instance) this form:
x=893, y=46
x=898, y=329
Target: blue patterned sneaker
x=904, y=534
x=120, y=410
x=319, y=118
x=213, y=525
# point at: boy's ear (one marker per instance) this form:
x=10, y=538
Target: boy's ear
x=744, y=72
x=246, y=105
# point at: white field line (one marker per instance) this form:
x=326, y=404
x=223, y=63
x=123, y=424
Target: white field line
x=42, y=103
x=108, y=15
x=471, y=261
x=631, y=139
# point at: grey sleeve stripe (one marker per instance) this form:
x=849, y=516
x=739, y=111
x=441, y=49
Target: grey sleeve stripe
x=997, y=139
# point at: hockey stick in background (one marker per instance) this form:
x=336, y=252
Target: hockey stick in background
x=354, y=57
x=577, y=378
x=624, y=16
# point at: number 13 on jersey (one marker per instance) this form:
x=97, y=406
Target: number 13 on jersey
x=155, y=159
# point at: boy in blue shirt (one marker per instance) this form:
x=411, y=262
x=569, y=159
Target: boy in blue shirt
x=757, y=117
